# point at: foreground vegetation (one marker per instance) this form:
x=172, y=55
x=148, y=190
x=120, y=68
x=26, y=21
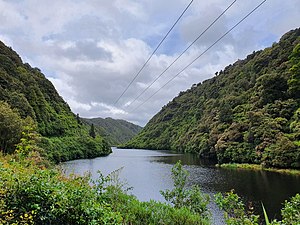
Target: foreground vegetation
x=237, y=214
x=32, y=191
x=248, y=113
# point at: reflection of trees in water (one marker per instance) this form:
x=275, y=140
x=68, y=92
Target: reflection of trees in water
x=186, y=159
x=149, y=172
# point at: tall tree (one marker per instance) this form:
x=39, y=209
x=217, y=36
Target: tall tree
x=92, y=131
x=294, y=81
x=78, y=119
x=11, y=126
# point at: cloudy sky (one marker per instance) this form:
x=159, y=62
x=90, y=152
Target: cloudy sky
x=92, y=49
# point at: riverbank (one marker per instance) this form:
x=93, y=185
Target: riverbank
x=247, y=166
x=35, y=192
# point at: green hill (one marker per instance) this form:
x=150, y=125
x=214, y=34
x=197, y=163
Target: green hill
x=248, y=113
x=26, y=90
x=115, y=131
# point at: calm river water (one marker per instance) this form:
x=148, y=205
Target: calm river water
x=149, y=171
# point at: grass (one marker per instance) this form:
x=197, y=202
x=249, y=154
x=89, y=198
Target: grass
x=247, y=166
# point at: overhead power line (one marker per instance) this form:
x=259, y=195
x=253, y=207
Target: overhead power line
x=203, y=32
x=138, y=73
x=201, y=54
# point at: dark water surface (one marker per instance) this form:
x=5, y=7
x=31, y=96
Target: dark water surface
x=149, y=171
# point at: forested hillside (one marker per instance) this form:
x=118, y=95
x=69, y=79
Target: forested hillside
x=249, y=112
x=26, y=93
x=115, y=131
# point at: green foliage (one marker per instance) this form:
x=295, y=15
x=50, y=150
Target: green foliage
x=152, y=212
x=236, y=213
x=15, y=132
x=33, y=194
x=116, y=132
x=29, y=140
x=283, y=153
x=265, y=215
x=291, y=211
x=180, y=197
x=60, y=149
x=30, y=195
x=246, y=166
x=11, y=127
x=294, y=81
x=92, y=131
x=234, y=210
x=248, y=113
x=25, y=92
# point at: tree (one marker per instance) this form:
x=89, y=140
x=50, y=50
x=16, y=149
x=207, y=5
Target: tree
x=30, y=138
x=92, y=131
x=294, y=81
x=78, y=119
x=11, y=127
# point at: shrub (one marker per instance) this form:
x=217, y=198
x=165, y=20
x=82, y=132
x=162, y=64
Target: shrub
x=135, y=212
x=192, y=199
x=45, y=196
x=236, y=213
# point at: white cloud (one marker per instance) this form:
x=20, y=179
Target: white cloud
x=91, y=50
x=6, y=40
x=108, y=109
x=78, y=105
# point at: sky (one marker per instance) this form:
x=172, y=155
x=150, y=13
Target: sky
x=92, y=49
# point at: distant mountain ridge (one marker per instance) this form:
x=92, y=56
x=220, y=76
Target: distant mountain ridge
x=115, y=131
x=248, y=113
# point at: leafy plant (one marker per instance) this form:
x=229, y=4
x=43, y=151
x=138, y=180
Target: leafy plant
x=182, y=197
x=234, y=210
x=152, y=212
x=11, y=128
x=45, y=196
x=236, y=213
x=291, y=211
x=265, y=215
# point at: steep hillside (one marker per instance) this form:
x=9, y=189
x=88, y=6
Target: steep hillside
x=28, y=91
x=115, y=131
x=249, y=112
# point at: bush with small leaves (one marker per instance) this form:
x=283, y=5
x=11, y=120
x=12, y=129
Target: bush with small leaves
x=182, y=197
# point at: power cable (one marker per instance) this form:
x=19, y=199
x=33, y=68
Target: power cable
x=138, y=73
x=201, y=54
x=203, y=32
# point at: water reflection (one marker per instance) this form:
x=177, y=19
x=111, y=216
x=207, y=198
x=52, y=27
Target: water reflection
x=270, y=188
x=150, y=171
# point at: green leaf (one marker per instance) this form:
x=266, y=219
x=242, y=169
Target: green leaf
x=265, y=215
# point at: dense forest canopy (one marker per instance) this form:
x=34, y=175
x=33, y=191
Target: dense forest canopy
x=249, y=112
x=115, y=131
x=26, y=93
